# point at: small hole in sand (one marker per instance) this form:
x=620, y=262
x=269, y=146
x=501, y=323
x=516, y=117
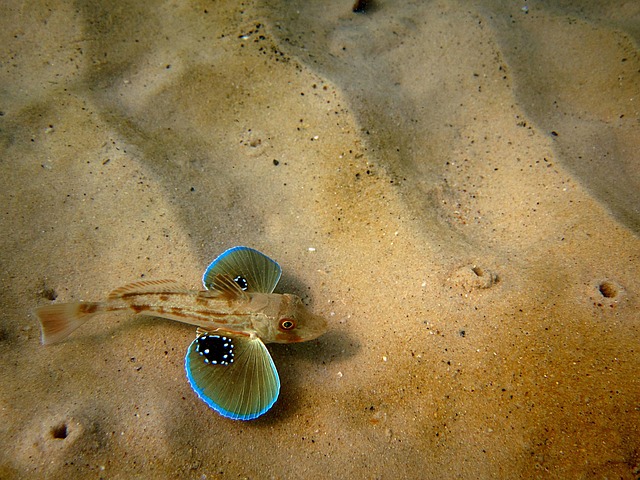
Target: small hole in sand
x=608, y=290
x=59, y=431
x=478, y=271
x=48, y=293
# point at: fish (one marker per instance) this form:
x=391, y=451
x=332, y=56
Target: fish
x=227, y=365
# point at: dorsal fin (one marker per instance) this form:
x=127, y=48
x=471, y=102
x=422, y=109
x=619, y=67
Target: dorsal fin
x=148, y=286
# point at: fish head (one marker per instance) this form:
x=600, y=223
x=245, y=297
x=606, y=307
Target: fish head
x=295, y=323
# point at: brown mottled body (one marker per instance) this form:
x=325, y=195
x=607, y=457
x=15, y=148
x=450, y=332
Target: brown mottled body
x=279, y=318
x=208, y=311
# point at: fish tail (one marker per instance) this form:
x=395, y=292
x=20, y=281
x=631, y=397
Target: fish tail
x=58, y=321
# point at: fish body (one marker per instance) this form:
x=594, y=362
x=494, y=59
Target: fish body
x=227, y=364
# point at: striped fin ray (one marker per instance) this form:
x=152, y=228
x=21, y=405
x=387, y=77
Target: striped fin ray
x=224, y=286
x=251, y=269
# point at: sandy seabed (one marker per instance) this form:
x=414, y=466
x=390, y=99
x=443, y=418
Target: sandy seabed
x=455, y=185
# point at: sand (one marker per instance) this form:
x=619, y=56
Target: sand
x=454, y=185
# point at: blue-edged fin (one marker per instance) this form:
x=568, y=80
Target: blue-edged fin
x=58, y=321
x=225, y=287
x=234, y=375
x=252, y=270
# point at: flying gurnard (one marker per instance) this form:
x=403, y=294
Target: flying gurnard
x=228, y=364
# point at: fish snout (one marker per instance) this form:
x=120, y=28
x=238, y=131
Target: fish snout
x=311, y=325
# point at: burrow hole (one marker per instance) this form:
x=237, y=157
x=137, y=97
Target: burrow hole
x=60, y=431
x=608, y=289
x=478, y=271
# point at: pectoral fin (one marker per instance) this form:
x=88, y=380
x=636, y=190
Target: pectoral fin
x=233, y=375
x=225, y=287
x=252, y=270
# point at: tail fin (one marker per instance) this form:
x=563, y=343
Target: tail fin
x=58, y=321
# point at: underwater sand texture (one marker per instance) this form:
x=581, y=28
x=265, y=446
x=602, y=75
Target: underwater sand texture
x=481, y=281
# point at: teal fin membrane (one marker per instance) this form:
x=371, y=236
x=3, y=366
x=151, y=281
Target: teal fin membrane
x=251, y=270
x=233, y=375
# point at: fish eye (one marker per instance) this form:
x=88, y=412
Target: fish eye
x=287, y=324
